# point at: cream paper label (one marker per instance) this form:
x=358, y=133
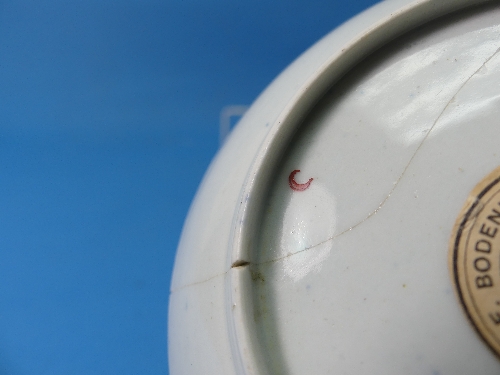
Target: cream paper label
x=475, y=259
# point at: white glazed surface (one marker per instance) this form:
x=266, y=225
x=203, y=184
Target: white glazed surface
x=344, y=305
x=357, y=263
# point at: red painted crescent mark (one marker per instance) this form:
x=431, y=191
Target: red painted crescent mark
x=295, y=185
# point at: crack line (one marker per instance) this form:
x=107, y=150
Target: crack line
x=399, y=178
x=245, y=263
x=198, y=282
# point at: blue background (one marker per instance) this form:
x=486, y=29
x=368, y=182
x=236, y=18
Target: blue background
x=109, y=114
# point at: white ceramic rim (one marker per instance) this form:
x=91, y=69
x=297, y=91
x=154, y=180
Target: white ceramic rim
x=402, y=17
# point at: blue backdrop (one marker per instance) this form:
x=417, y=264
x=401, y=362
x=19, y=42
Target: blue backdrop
x=109, y=116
